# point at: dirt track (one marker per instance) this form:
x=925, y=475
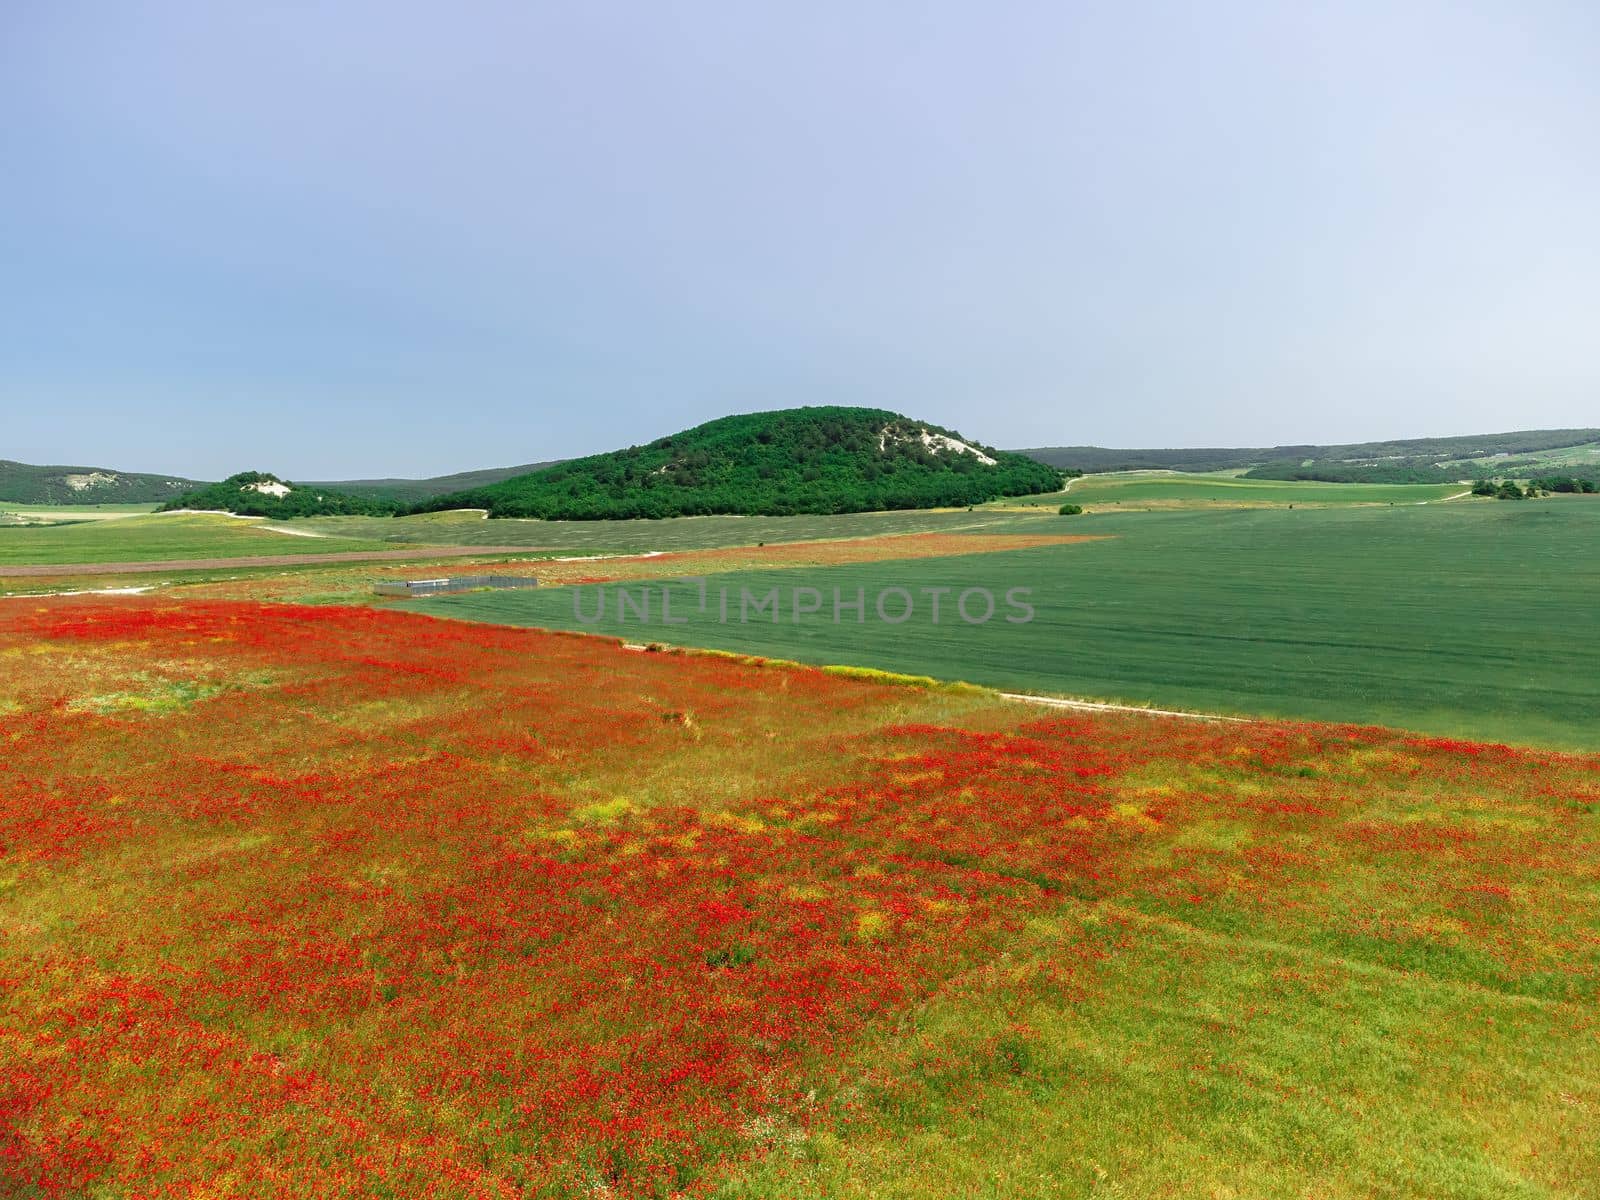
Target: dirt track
x=47, y=570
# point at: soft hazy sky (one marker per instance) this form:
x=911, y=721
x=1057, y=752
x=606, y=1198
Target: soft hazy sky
x=332, y=239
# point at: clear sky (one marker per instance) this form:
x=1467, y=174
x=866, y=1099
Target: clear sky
x=386, y=237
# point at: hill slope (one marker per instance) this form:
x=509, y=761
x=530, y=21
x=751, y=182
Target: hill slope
x=258, y=494
x=413, y=491
x=798, y=460
x=1413, y=460
x=24, y=483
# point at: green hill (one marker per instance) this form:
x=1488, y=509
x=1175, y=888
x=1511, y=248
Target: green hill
x=23, y=483
x=799, y=460
x=1414, y=460
x=258, y=494
x=413, y=491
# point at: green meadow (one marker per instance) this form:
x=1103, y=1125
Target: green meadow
x=156, y=538
x=75, y=512
x=1135, y=489
x=1469, y=619
x=1172, y=488
x=469, y=528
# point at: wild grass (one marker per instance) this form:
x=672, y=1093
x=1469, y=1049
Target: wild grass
x=396, y=906
x=676, y=534
x=155, y=538
x=1174, y=489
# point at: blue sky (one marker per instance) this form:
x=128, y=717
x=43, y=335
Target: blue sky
x=394, y=238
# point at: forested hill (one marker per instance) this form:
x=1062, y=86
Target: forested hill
x=258, y=494
x=800, y=460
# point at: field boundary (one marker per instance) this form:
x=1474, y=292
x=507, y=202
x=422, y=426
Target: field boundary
x=420, y=553
x=1109, y=706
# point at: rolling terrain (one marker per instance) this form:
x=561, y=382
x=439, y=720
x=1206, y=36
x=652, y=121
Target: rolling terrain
x=1524, y=454
x=802, y=460
x=468, y=527
x=1410, y=460
x=385, y=905
x=1174, y=489
x=23, y=483
x=153, y=538
x=414, y=491
x=301, y=883
x=262, y=494
x=1328, y=610
x=1400, y=616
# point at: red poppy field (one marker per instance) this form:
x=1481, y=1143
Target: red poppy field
x=343, y=902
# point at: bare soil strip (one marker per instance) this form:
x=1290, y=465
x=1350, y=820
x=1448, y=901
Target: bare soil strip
x=47, y=570
x=829, y=553
x=1107, y=706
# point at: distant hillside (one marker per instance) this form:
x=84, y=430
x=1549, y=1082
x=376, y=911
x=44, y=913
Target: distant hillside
x=1414, y=460
x=799, y=460
x=22, y=483
x=413, y=491
x=259, y=494
x=1093, y=459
